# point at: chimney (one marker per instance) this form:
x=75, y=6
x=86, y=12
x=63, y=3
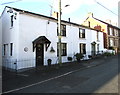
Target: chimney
x=69, y=19
x=55, y=15
x=90, y=14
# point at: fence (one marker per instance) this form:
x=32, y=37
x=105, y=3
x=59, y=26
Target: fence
x=30, y=62
x=14, y=64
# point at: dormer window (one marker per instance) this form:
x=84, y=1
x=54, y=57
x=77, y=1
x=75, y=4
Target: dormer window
x=12, y=21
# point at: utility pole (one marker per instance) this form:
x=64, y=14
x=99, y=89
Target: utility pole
x=59, y=34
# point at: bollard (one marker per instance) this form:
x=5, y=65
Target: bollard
x=15, y=67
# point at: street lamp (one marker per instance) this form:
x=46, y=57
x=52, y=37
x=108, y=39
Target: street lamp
x=59, y=33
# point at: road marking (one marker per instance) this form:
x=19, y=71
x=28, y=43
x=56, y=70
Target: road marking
x=44, y=81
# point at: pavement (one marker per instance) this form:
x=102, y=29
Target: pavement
x=15, y=80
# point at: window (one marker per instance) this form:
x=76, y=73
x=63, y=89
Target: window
x=63, y=30
x=83, y=48
x=5, y=49
x=12, y=21
x=111, y=42
x=63, y=49
x=11, y=49
x=97, y=36
x=116, y=32
x=116, y=42
x=98, y=48
x=111, y=31
x=88, y=23
x=81, y=33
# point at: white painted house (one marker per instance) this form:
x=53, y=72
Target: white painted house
x=0, y=44
x=30, y=39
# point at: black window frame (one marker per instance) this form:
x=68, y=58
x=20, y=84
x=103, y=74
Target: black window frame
x=4, y=49
x=12, y=21
x=82, y=48
x=63, y=30
x=63, y=49
x=11, y=49
x=81, y=33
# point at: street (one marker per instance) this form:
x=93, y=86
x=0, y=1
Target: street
x=97, y=79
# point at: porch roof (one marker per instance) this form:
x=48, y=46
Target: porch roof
x=41, y=40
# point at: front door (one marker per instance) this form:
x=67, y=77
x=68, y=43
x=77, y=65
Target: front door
x=93, y=49
x=39, y=54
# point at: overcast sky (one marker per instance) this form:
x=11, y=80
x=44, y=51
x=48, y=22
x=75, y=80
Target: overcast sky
x=77, y=10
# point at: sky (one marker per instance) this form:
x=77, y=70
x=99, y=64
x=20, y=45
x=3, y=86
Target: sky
x=77, y=9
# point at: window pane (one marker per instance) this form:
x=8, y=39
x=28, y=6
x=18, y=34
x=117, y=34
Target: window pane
x=81, y=33
x=63, y=30
x=11, y=49
x=63, y=49
x=83, y=48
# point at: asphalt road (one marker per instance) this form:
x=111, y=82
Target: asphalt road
x=98, y=79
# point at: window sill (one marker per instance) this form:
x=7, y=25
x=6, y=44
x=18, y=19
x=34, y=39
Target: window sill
x=83, y=38
x=63, y=56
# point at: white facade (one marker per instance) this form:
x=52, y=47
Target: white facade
x=28, y=26
x=0, y=43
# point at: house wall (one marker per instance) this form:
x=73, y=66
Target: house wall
x=31, y=27
x=113, y=35
x=0, y=43
x=9, y=35
x=94, y=23
x=28, y=27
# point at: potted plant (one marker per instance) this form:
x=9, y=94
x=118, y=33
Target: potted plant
x=79, y=56
x=69, y=58
x=90, y=56
x=49, y=61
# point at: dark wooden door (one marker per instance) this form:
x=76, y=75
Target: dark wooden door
x=39, y=54
x=93, y=49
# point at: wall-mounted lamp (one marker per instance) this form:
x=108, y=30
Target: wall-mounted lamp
x=52, y=49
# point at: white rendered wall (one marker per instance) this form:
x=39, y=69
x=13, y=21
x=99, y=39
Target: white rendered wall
x=0, y=43
x=29, y=27
x=10, y=35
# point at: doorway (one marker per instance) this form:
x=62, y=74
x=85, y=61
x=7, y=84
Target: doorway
x=39, y=55
x=39, y=44
x=93, y=47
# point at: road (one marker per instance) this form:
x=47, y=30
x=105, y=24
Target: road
x=98, y=79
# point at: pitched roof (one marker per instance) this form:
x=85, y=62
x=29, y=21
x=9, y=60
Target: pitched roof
x=20, y=10
x=106, y=23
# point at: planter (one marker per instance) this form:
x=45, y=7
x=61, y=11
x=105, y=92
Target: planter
x=49, y=61
x=79, y=56
x=69, y=58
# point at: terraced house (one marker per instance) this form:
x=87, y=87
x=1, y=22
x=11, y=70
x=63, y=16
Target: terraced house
x=111, y=32
x=30, y=39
